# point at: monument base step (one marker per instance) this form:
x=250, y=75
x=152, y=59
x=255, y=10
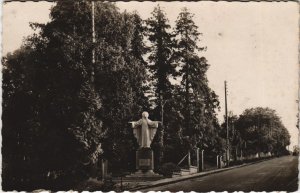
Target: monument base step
x=185, y=171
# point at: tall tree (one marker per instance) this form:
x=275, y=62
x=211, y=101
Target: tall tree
x=160, y=57
x=138, y=51
x=160, y=67
x=200, y=101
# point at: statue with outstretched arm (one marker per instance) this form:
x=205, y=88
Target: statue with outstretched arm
x=144, y=130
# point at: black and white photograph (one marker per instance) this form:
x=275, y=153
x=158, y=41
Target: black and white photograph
x=150, y=96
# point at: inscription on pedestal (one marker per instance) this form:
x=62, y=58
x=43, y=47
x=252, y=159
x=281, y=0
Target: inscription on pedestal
x=144, y=159
x=144, y=162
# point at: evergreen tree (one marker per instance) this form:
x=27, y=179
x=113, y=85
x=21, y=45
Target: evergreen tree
x=160, y=58
x=200, y=122
x=161, y=68
x=138, y=51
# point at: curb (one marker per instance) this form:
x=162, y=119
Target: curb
x=182, y=178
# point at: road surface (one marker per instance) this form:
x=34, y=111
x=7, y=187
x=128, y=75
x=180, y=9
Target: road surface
x=278, y=174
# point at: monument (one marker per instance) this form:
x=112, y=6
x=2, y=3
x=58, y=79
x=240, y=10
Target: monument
x=144, y=131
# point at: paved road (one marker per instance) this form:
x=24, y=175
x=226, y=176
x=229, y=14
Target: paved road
x=278, y=174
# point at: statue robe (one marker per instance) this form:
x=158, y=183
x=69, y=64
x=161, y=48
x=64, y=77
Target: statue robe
x=144, y=131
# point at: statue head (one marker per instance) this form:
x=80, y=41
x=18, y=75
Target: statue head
x=145, y=114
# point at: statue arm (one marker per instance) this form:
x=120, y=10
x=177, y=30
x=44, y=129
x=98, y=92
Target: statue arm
x=136, y=124
x=153, y=124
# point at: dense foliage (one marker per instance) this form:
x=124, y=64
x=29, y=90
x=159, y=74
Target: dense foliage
x=60, y=121
x=257, y=130
x=262, y=131
x=120, y=76
x=67, y=121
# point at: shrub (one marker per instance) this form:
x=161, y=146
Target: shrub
x=167, y=169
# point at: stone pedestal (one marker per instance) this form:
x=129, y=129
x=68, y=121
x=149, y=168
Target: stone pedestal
x=144, y=166
x=144, y=160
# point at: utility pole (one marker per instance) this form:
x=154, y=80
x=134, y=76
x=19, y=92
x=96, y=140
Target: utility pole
x=93, y=41
x=226, y=119
x=103, y=162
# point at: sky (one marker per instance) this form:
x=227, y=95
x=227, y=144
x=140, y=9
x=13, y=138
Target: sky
x=251, y=45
